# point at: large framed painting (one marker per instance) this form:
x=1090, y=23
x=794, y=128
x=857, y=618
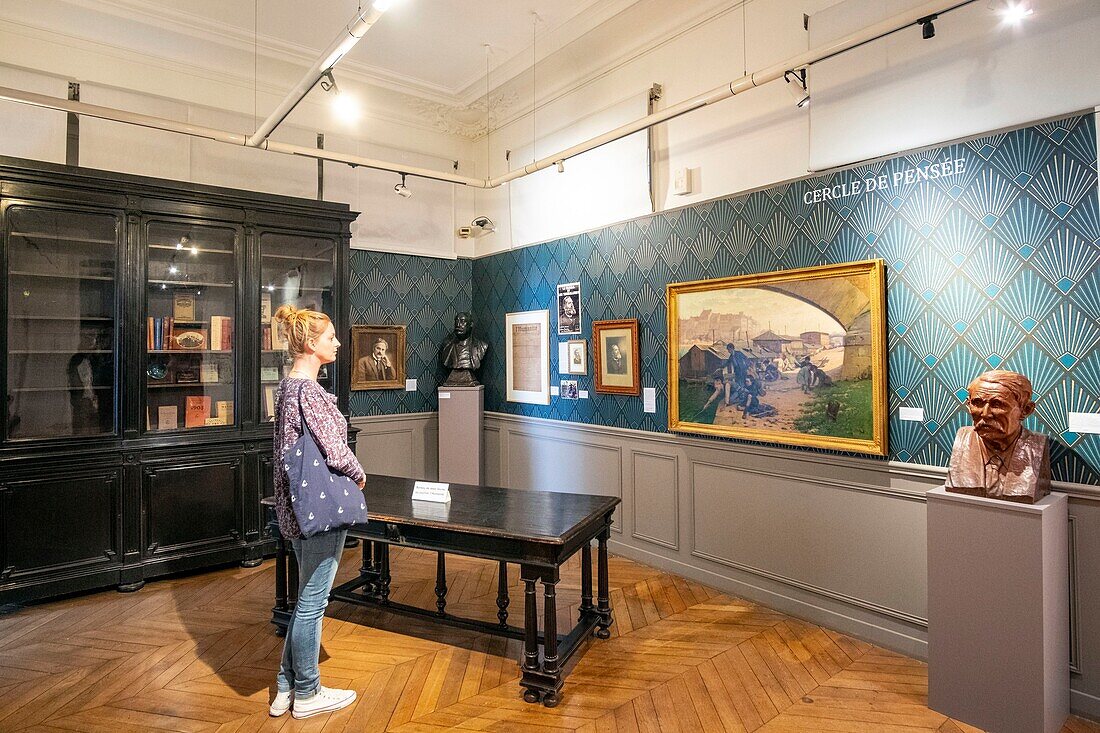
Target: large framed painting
x=795, y=357
x=378, y=357
x=527, y=357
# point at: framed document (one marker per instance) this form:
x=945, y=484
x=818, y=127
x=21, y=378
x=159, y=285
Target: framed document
x=527, y=356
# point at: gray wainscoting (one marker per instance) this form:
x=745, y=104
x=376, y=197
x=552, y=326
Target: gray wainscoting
x=839, y=541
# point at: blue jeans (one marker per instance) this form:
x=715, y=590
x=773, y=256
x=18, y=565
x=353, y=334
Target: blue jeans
x=318, y=558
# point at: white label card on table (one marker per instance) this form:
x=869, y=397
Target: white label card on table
x=410, y=385
x=1083, y=422
x=583, y=394
x=911, y=413
x=444, y=395
x=431, y=491
x=649, y=399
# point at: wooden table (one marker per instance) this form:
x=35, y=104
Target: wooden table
x=537, y=530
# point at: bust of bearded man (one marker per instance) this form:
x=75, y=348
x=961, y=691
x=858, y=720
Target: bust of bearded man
x=462, y=352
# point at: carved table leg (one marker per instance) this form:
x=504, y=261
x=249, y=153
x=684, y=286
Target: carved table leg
x=502, y=595
x=441, y=583
x=384, y=573
x=530, y=635
x=603, y=599
x=550, y=641
x=586, y=606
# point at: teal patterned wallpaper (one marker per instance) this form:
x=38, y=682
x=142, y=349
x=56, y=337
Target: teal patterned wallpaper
x=424, y=293
x=998, y=266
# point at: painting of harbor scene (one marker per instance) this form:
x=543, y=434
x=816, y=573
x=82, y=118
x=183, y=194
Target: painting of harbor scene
x=793, y=357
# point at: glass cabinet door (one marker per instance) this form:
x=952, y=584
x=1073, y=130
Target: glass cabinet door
x=62, y=332
x=191, y=305
x=297, y=271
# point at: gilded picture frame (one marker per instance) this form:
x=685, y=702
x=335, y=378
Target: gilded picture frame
x=795, y=357
x=367, y=371
x=616, y=356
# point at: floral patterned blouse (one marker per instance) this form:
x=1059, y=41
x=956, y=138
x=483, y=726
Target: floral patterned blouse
x=329, y=428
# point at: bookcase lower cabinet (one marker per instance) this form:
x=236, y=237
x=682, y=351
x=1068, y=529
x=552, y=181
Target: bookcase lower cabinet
x=136, y=439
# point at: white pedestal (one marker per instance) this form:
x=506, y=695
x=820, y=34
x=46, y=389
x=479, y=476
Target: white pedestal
x=998, y=611
x=460, y=442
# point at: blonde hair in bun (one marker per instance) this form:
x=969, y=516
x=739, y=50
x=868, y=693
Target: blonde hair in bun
x=300, y=325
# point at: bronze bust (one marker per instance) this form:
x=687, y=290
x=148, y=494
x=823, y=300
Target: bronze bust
x=462, y=352
x=998, y=457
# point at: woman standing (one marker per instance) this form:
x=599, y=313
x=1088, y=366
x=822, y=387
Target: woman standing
x=311, y=341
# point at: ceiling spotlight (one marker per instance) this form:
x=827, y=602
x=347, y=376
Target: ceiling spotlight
x=796, y=83
x=927, y=28
x=401, y=189
x=1012, y=11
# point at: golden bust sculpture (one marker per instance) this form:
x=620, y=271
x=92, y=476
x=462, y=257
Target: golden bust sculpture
x=998, y=457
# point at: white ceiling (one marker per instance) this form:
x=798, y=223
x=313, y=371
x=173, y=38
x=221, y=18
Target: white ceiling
x=435, y=46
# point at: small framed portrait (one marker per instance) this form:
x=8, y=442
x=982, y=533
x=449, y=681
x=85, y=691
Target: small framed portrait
x=576, y=351
x=377, y=357
x=569, y=309
x=616, y=351
x=568, y=389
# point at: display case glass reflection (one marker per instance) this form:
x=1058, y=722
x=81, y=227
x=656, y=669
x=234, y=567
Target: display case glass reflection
x=61, y=320
x=297, y=271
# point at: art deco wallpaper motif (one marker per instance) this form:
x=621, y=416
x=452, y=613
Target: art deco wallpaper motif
x=423, y=293
x=996, y=266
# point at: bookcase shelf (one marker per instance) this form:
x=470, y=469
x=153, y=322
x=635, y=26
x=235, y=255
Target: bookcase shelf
x=87, y=261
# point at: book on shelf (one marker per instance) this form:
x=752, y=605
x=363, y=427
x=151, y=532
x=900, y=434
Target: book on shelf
x=208, y=372
x=183, y=306
x=167, y=417
x=269, y=399
x=221, y=333
x=225, y=411
x=198, y=409
x=265, y=338
x=265, y=307
x=182, y=338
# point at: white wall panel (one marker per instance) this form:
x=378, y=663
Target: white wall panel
x=31, y=132
x=977, y=75
x=142, y=151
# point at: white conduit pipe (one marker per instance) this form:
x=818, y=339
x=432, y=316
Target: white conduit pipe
x=336, y=50
x=749, y=81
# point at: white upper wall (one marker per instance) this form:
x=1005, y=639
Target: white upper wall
x=889, y=95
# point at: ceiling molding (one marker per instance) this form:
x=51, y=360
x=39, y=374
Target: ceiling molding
x=467, y=122
x=193, y=26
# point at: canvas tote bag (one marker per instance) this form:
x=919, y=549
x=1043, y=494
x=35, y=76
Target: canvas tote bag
x=321, y=498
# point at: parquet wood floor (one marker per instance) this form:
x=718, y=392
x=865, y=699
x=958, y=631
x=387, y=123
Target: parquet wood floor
x=198, y=654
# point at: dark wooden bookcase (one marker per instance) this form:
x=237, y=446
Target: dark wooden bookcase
x=139, y=364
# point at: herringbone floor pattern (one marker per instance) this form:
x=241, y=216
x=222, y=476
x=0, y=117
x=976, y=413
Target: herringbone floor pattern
x=198, y=654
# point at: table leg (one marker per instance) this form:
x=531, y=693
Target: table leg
x=550, y=640
x=502, y=594
x=384, y=573
x=441, y=583
x=292, y=579
x=586, y=581
x=603, y=598
x=531, y=633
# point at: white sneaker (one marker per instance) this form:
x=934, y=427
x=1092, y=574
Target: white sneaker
x=325, y=700
x=281, y=703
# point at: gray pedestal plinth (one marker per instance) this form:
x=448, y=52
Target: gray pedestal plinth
x=460, y=413
x=998, y=611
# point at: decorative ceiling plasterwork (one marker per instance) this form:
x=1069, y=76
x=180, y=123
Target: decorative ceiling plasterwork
x=466, y=122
